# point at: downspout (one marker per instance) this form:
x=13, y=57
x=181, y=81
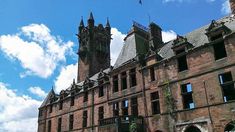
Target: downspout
x=144, y=100
x=92, y=111
x=208, y=107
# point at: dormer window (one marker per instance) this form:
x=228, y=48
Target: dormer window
x=215, y=33
x=180, y=45
x=216, y=30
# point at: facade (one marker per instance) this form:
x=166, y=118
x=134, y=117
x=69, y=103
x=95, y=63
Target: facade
x=184, y=85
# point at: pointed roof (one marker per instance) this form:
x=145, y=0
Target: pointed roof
x=91, y=16
x=47, y=99
x=81, y=23
x=107, y=23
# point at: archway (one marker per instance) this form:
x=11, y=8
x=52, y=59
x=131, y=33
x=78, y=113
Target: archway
x=192, y=129
x=230, y=127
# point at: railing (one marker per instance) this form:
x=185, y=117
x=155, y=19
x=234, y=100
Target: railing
x=121, y=120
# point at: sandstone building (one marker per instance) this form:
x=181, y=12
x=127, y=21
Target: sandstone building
x=184, y=85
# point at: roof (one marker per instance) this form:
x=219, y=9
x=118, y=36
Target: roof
x=197, y=38
x=47, y=99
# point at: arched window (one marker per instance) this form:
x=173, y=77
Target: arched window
x=230, y=127
x=192, y=129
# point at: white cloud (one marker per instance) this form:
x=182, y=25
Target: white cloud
x=66, y=76
x=116, y=44
x=226, y=8
x=18, y=113
x=168, y=35
x=37, y=91
x=36, y=49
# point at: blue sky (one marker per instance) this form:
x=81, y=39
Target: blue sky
x=38, y=43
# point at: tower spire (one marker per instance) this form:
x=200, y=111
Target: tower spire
x=81, y=23
x=91, y=21
x=107, y=23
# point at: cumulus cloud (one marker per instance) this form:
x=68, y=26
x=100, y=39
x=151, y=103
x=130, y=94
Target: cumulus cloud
x=37, y=91
x=36, y=49
x=168, y=35
x=116, y=44
x=66, y=76
x=226, y=8
x=18, y=113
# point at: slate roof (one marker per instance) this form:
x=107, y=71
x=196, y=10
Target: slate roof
x=197, y=38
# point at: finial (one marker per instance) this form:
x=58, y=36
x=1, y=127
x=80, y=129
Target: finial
x=82, y=23
x=91, y=16
x=107, y=24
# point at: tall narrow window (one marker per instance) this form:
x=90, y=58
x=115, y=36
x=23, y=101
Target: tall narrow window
x=101, y=91
x=219, y=50
x=59, y=124
x=133, y=77
x=115, y=109
x=155, y=103
x=61, y=105
x=50, y=108
x=124, y=82
x=84, y=123
x=85, y=96
x=72, y=101
x=134, y=106
x=152, y=73
x=187, y=96
x=70, y=122
x=115, y=83
x=182, y=63
x=40, y=113
x=227, y=85
x=125, y=104
x=101, y=113
x=49, y=126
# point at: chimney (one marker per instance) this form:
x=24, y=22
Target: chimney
x=232, y=6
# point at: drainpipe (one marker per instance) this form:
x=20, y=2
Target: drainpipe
x=208, y=107
x=144, y=99
x=92, y=111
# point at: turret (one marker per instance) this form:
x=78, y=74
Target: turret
x=91, y=21
x=107, y=27
x=81, y=26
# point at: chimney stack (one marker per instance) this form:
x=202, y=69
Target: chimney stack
x=232, y=5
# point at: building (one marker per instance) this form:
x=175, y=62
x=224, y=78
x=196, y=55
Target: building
x=185, y=85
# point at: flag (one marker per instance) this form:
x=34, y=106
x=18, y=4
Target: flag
x=140, y=2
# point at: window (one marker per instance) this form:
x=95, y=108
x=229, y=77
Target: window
x=216, y=37
x=50, y=108
x=85, y=97
x=125, y=107
x=133, y=77
x=70, y=122
x=40, y=113
x=227, y=85
x=115, y=109
x=155, y=103
x=49, y=126
x=59, y=124
x=134, y=106
x=152, y=74
x=61, y=105
x=101, y=91
x=84, y=123
x=72, y=101
x=124, y=82
x=101, y=113
x=182, y=63
x=115, y=83
x=219, y=50
x=187, y=96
